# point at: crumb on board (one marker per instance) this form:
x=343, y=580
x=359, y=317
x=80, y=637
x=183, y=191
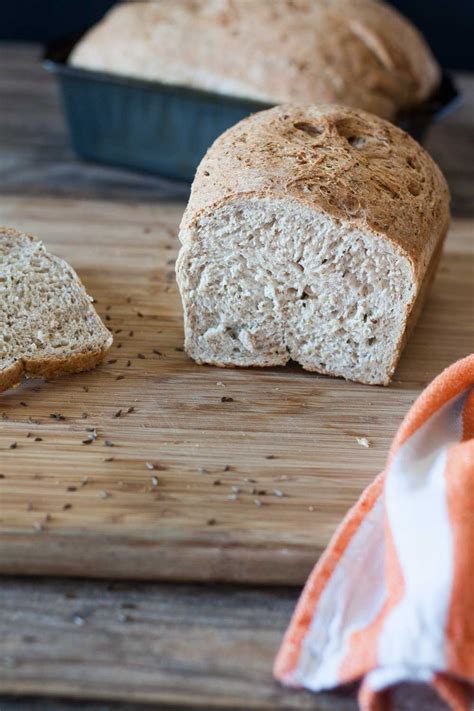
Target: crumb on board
x=363, y=442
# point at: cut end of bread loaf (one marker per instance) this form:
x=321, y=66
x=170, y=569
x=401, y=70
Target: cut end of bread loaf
x=272, y=280
x=311, y=234
x=48, y=324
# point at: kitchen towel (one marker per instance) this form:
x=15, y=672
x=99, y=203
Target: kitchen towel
x=391, y=601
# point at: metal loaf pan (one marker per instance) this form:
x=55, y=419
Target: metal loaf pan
x=157, y=128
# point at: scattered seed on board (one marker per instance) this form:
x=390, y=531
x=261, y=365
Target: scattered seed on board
x=78, y=620
x=23, y=404
x=112, y=361
x=154, y=480
x=278, y=492
x=108, y=443
x=149, y=465
x=109, y=459
x=38, y=439
x=84, y=480
x=211, y=521
x=224, y=398
x=203, y=470
x=227, y=468
x=216, y=482
x=141, y=356
x=363, y=441
x=128, y=363
x=258, y=503
x=57, y=416
x=117, y=414
x=104, y=494
x=67, y=506
x=130, y=410
x=236, y=489
x=120, y=377
x=271, y=456
x=232, y=497
x=13, y=445
x=87, y=441
x=157, y=352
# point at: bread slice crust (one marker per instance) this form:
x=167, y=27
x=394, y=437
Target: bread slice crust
x=20, y=253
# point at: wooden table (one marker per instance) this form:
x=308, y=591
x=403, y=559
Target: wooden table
x=119, y=645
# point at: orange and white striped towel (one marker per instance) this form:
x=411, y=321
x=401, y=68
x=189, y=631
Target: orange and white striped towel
x=391, y=601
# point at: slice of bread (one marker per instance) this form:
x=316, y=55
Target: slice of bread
x=48, y=325
x=311, y=234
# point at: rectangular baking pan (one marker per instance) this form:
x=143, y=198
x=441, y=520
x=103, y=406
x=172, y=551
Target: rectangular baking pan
x=163, y=129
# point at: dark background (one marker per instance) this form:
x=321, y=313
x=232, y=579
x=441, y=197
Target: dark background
x=447, y=24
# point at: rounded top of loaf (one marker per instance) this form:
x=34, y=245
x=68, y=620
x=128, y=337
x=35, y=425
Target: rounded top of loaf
x=353, y=166
x=361, y=53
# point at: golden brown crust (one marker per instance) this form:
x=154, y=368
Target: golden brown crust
x=49, y=367
x=357, y=52
x=418, y=304
x=351, y=165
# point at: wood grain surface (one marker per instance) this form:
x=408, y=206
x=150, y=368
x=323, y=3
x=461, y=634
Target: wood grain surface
x=214, y=474
x=201, y=648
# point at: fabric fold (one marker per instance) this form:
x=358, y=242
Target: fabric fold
x=390, y=602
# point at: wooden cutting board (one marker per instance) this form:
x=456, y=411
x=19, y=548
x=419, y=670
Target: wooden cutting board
x=249, y=488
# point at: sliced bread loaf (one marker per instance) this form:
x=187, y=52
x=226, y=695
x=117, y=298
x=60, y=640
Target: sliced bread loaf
x=48, y=325
x=311, y=234
x=357, y=52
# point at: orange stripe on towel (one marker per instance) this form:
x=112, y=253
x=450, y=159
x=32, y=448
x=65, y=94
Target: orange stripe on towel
x=363, y=643
x=460, y=499
x=287, y=657
x=447, y=385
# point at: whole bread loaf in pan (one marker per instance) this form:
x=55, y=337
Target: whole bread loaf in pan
x=312, y=234
x=362, y=53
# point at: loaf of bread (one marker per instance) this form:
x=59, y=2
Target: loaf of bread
x=48, y=325
x=312, y=234
x=362, y=53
